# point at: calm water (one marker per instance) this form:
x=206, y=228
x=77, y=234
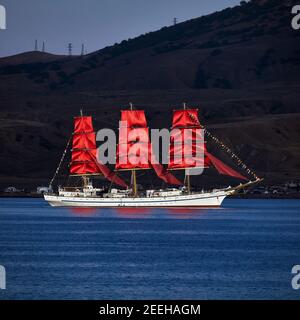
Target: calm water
x=243, y=251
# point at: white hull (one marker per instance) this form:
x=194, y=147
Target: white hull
x=209, y=199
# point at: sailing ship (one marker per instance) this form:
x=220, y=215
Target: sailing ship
x=86, y=165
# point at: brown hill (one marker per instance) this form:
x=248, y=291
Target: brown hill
x=240, y=66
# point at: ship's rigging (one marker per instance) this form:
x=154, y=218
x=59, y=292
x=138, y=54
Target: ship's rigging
x=134, y=136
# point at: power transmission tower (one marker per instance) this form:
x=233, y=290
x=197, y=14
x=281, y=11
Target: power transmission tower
x=175, y=21
x=82, y=50
x=43, y=46
x=36, y=45
x=70, y=47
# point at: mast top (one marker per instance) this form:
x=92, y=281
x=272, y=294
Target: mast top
x=184, y=106
x=81, y=112
x=131, y=105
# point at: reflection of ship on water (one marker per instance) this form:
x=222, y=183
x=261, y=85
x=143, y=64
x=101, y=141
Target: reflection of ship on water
x=186, y=213
x=84, y=212
x=133, y=212
x=85, y=165
x=138, y=213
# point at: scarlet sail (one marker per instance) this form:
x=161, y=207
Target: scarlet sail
x=165, y=175
x=187, y=118
x=186, y=141
x=84, y=152
x=133, y=151
x=162, y=172
x=84, y=142
x=134, y=118
x=83, y=124
x=136, y=152
x=223, y=168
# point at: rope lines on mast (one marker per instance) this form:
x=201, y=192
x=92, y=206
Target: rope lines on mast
x=60, y=163
x=238, y=161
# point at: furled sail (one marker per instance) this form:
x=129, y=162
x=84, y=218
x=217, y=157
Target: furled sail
x=84, y=152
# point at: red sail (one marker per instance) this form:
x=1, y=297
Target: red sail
x=185, y=141
x=83, y=168
x=162, y=172
x=133, y=149
x=83, y=155
x=108, y=174
x=133, y=136
x=223, y=168
x=133, y=156
x=134, y=118
x=84, y=152
x=83, y=124
x=84, y=141
x=165, y=175
x=186, y=118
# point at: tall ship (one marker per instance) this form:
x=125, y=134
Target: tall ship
x=86, y=167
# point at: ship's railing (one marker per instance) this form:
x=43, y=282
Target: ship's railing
x=70, y=189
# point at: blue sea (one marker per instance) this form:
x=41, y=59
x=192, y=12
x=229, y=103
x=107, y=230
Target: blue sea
x=245, y=250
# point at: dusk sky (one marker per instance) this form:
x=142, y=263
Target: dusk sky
x=96, y=23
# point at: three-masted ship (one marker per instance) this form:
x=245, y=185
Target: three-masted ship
x=86, y=165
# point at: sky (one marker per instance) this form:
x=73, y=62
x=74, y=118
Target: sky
x=96, y=23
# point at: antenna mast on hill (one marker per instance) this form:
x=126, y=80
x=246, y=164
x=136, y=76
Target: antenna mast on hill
x=82, y=50
x=175, y=21
x=36, y=45
x=70, y=47
x=43, y=46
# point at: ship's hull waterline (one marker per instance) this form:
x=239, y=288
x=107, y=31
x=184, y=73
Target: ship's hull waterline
x=212, y=199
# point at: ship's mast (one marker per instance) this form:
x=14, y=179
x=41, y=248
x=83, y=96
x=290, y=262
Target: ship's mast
x=133, y=172
x=187, y=178
x=85, y=179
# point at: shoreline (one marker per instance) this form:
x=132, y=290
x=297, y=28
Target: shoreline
x=20, y=195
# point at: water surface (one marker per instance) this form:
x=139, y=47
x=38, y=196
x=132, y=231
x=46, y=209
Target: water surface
x=244, y=250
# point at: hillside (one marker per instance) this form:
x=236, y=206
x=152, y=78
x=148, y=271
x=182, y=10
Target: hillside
x=239, y=66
